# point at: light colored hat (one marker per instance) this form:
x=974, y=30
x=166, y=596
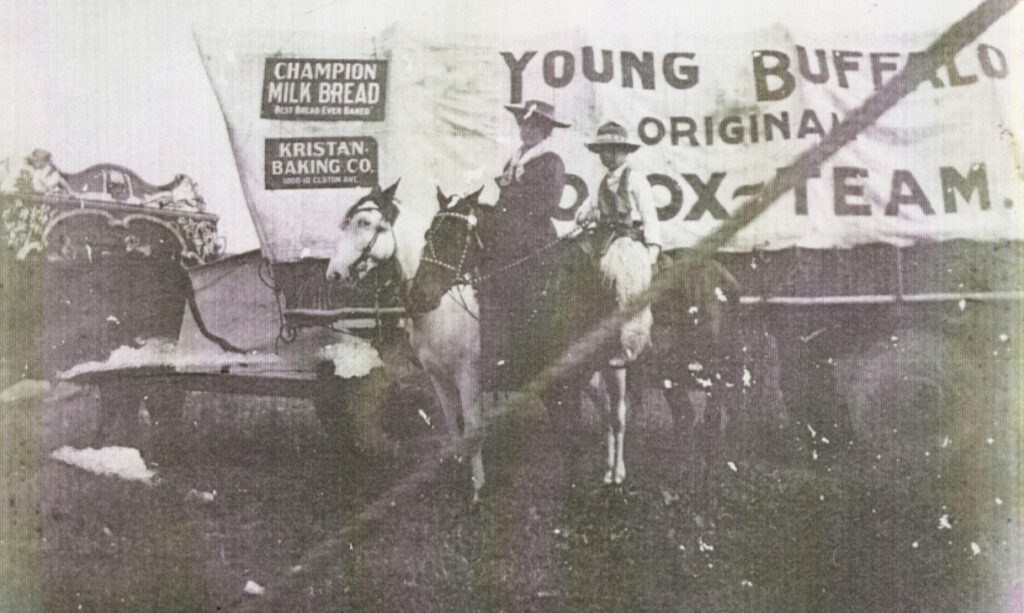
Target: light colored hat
x=533, y=108
x=612, y=135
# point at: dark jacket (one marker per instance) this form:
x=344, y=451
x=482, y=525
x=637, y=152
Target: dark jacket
x=511, y=329
x=522, y=220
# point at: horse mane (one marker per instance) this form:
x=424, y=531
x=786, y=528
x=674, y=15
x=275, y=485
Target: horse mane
x=626, y=269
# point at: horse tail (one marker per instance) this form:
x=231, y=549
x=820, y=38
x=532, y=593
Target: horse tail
x=626, y=268
x=726, y=281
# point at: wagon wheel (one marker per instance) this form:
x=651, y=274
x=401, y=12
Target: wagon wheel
x=119, y=405
x=165, y=403
x=120, y=402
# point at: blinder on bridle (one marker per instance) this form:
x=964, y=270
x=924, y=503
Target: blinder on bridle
x=383, y=201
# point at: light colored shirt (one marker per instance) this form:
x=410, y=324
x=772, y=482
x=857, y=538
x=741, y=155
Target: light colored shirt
x=641, y=199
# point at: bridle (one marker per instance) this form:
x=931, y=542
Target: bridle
x=460, y=276
x=364, y=254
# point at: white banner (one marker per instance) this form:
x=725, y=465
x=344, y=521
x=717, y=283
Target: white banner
x=717, y=115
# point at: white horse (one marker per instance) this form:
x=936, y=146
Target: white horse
x=446, y=339
x=444, y=312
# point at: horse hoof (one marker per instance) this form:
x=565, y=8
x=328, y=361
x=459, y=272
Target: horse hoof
x=608, y=478
x=619, y=478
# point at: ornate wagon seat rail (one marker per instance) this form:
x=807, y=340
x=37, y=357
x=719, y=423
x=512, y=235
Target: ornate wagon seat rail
x=195, y=232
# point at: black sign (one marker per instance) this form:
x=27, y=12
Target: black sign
x=309, y=163
x=324, y=90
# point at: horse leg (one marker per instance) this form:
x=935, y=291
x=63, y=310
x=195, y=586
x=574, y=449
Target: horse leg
x=560, y=399
x=469, y=395
x=707, y=434
x=699, y=401
x=677, y=398
x=596, y=390
x=615, y=379
x=448, y=398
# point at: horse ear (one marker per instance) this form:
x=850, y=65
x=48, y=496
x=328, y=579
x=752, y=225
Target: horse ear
x=389, y=193
x=442, y=200
x=475, y=196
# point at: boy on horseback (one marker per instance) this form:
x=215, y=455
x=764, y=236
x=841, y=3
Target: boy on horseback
x=626, y=240
x=624, y=205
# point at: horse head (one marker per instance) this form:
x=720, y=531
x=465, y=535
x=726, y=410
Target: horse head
x=366, y=236
x=452, y=250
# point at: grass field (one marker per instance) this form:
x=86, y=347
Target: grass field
x=806, y=519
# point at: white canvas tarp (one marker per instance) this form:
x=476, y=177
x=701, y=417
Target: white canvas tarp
x=717, y=115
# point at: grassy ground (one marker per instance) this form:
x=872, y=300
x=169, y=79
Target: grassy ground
x=806, y=519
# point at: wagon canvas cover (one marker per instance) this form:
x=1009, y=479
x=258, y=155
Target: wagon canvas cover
x=717, y=115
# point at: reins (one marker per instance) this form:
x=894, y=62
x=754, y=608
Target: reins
x=463, y=276
x=365, y=253
x=460, y=276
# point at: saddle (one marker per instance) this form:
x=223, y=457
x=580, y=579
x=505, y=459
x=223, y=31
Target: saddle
x=605, y=233
x=530, y=315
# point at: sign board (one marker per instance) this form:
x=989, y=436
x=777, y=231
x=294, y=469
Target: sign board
x=309, y=163
x=324, y=90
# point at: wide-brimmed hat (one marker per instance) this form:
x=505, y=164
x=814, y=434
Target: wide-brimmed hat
x=39, y=155
x=612, y=135
x=534, y=108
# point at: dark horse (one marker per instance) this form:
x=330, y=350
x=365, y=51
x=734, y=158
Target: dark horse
x=693, y=355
